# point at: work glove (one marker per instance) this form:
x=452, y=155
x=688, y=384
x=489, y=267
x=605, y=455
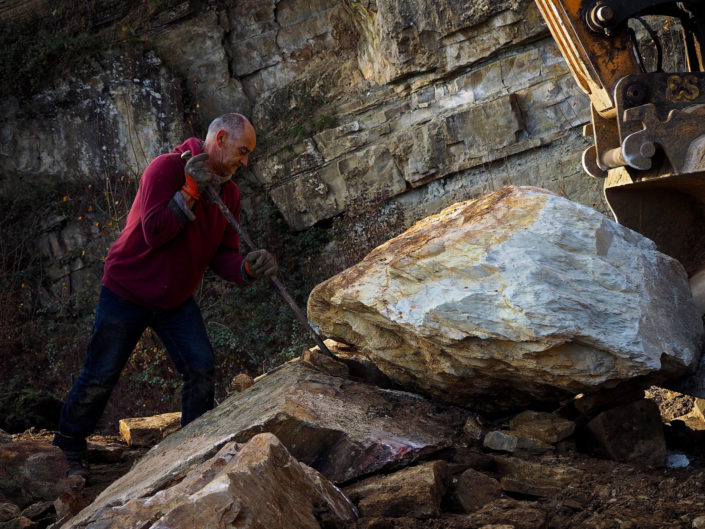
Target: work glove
x=260, y=263
x=198, y=174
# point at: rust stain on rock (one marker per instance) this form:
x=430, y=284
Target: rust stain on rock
x=418, y=241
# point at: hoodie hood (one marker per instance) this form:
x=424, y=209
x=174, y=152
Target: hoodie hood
x=192, y=144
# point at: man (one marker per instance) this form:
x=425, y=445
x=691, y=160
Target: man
x=172, y=235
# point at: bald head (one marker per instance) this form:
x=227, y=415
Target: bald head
x=230, y=140
x=232, y=123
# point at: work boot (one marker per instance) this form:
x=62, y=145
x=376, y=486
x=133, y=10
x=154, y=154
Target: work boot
x=78, y=470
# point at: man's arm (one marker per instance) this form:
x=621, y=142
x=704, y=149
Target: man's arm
x=227, y=262
x=161, y=181
x=256, y=264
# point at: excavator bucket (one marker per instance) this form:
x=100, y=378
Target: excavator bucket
x=669, y=210
x=648, y=125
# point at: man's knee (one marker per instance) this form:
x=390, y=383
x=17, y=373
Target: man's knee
x=202, y=378
x=200, y=368
x=92, y=385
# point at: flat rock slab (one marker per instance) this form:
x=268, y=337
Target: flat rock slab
x=342, y=428
x=255, y=485
x=518, y=297
x=515, y=442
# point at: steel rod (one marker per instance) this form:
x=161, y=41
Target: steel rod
x=215, y=198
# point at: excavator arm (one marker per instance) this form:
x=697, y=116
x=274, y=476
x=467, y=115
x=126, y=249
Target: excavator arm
x=648, y=127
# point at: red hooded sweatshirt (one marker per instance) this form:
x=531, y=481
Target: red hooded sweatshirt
x=158, y=259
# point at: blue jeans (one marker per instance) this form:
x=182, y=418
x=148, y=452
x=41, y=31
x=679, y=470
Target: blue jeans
x=119, y=324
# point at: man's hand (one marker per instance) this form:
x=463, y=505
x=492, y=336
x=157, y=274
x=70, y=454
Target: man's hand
x=198, y=175
x=261, y=263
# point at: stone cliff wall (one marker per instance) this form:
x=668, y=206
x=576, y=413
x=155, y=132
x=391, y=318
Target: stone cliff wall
x=414, y=104
x=432, y=91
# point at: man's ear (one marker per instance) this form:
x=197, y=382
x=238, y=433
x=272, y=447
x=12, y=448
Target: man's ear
x=220, y=138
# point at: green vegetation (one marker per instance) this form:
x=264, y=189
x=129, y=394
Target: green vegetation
x=36, y=48
x=294, y=114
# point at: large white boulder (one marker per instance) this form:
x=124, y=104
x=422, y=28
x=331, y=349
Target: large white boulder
x=519, y=296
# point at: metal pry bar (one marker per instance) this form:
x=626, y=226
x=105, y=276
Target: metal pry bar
x=213, y=196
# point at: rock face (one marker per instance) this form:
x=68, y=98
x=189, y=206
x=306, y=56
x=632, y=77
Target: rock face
x=342, y=428
x=31, y=472
x=257, y=485
x=519, y=296
x=421, y=487
x=104, y=123
x=632, y=432
x=411, y=105
x=438, y=99
x=402, y=94
x=111, y=115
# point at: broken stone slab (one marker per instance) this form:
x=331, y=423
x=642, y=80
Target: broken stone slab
x=528, y=488
x=543, y=426
x=104, y=451
x=550, y=472
x=42, y=513
x=518, y=297
x=415, y=492
x=32, y=472
x=315, y=358
x=631, y=433
x=241, y=382
x=504, y=513
x=148, y=431
x=19, y=523
x=255, y=485
x=5, y=437
x=342, y=428
x=460, y=458
x=693, y=415
x=474, y=430
x=8, y=511
x=359, y=366
x=70, y=503
x=515, y=442
x=694, y=418
x=474, y=489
